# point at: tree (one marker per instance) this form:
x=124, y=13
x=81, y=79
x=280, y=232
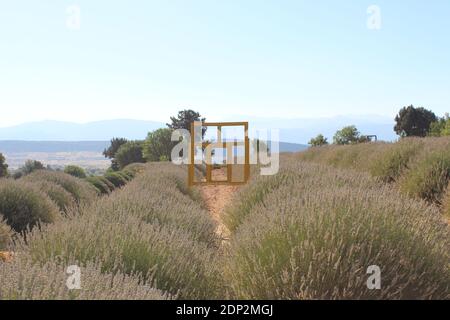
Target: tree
x=27, y=168
x=446, y=130
x=75, y=171
x=158, y=145
x=3, y=166
x=412, y=121
x=348, y=135
x=440, y=127
x=436, y=127
x=184, y=119
x=31, y=165
x=130, y=152
x=110, y=152
x=319, y=140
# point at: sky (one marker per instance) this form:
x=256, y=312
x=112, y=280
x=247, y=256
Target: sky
x=286, y=59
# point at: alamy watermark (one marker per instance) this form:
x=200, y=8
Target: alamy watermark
x=263, y=149
x=73, y=19
x=374, y=280
x=73, y=281
x=374, y=19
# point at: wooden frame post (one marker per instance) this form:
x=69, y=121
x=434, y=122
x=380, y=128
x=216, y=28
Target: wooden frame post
x=229, y=146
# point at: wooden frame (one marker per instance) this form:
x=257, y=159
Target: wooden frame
x=220, y=144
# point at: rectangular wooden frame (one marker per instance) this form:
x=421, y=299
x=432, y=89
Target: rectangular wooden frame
x=220, y=144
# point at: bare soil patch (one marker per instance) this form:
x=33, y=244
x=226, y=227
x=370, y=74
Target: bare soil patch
x=217, y=198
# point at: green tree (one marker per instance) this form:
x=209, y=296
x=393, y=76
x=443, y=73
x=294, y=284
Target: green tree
x=111, y=151
x=3, y=166
x=158, y=145
x=440, y=127
x=348, y=135
x=446, y=130
x=75, y=171
x=115, y=144
x=412, y=121
x=319, y=140
x=436, y=128
x=130, y=152
x=184, y=119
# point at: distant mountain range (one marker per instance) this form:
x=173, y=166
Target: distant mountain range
x=301, y=130
x=20, y=146
x=9, y=147
x=68, y=131
x=296, y=131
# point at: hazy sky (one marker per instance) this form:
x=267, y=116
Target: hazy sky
x=147, y=59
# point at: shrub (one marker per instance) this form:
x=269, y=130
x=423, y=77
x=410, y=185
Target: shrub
x=318, y=141
x=413, y=163
x=356, y=156
x=31, y=166
x=3, y=166
x=173, y=205
x=21, y=279
x=347, y=135
x=81, y=190
x=291, y=171
x=63, y=199
x=116, y=179
x=167, y=257
x=127, y=176
x=439, y=127
x=158, y=145
x=304, y=241
x=75, y=171
x=390, y=165
x=17, y=174
x=130, y=152
x=134, y=168
x=309, y=232
x=99, y=184
x=148, y=227
x=429, y=178
x=107, y=183
x=250, y=196
x=23, y=206
x=5, y=234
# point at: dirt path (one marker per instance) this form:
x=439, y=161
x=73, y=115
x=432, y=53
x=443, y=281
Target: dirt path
x=216, y=199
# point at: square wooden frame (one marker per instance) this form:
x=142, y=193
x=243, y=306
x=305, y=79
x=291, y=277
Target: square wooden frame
x=220, y=144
